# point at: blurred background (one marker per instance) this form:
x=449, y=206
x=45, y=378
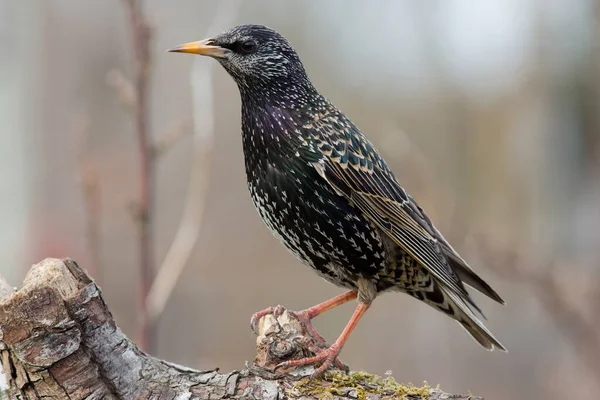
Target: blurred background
x=488, y=112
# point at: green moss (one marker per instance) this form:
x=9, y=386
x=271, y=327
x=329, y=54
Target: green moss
x=337, y=383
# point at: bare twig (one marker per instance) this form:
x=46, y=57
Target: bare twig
x=123, y=87
x=191, y=220
x=88, y=179
x=140, y=32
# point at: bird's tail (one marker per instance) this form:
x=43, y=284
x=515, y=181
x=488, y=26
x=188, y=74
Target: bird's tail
x=455, y=307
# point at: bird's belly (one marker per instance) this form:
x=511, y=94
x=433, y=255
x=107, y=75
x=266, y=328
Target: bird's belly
x=318, y=226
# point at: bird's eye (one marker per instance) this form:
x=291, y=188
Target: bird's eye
x=249, y=46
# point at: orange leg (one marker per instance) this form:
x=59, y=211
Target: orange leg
x=327, y=357
x=319, y=309
x=305, y=316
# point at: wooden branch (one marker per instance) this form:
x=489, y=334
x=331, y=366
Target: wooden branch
x=58, y=340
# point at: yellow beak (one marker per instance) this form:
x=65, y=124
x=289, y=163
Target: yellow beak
x=203, y=47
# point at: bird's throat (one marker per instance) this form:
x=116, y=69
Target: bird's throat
x=293, y=93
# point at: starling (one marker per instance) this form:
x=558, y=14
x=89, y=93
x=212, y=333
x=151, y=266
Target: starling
x=326, y=193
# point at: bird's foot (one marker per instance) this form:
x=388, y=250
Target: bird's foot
x=302, y=316
x=257, y=316
x=311, y=331
x=305, y=319
x=325, y=357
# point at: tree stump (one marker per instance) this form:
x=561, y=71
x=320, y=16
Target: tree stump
x=58, y=340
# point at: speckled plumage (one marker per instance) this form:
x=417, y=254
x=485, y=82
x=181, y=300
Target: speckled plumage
x=324, y=191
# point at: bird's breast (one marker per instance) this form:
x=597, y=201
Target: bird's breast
x=315, y=223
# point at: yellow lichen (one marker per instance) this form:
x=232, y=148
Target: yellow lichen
x=337, y=383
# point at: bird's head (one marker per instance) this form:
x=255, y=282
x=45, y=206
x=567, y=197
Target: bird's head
x=260, y=60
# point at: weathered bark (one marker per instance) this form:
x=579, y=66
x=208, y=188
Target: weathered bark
x=58, y=340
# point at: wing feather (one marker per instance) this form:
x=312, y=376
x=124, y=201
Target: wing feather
x=351, y=164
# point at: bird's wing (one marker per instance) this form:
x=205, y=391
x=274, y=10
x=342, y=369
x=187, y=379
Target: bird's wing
x=459, y=265
x=348, y=161
x=464, y=271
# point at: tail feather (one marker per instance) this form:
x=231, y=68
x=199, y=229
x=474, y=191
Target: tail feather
x=482, y=336
x=451, y=304
x=462, y=269
x=468, y=276
x=468, y=320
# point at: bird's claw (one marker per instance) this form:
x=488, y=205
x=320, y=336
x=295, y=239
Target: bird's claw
x=320, y=344
x=256, y=317
x=310, y=345
x=302, y=316
x=325, y=357
x=306, y=322
x=341, y=365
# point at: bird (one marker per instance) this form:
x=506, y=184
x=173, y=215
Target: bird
x=324, y=190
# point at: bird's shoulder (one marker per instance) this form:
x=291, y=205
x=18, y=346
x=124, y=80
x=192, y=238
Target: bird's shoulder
x=329, y=138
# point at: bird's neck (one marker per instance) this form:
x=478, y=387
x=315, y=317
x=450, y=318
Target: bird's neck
x=290, y=93
x=271, y=131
